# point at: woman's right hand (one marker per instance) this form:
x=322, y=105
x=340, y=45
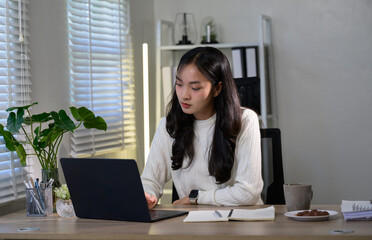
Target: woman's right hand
x=151, y=200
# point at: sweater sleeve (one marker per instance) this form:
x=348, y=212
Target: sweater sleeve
x=157, y=170
x=246, y=184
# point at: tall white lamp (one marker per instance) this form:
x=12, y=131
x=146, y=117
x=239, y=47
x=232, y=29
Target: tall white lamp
x=146, y=109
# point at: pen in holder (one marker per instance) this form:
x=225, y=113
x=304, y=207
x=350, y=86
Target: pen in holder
x=39, y=202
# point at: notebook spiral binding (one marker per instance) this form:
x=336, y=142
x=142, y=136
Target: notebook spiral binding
x=357, y=207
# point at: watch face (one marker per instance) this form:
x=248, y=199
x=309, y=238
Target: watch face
x=194, y=194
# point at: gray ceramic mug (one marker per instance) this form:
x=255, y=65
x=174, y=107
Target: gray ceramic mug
x=297, y=196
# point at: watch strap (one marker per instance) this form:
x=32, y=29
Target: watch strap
x=193, y=197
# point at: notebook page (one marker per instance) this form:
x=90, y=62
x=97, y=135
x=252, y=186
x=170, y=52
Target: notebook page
x=207, y=216
x=254, y=214
x=353, y=206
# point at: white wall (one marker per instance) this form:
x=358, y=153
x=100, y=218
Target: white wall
x=142, y=26
x=322, y=57
x=49, y=60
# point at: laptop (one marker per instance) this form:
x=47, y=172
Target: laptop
x=109, y=189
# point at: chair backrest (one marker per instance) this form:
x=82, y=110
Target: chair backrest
x=272, y=167
x=174, y=194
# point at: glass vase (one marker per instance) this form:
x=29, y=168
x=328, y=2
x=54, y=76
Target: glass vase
x=65, y=208
x=47, y=174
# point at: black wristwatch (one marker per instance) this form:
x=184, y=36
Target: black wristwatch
x=193, y=196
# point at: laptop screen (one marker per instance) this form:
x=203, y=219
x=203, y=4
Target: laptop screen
x=106, y=189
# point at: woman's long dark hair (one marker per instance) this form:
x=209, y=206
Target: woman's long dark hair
x=214, y=65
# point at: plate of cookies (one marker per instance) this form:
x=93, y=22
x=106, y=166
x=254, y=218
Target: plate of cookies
x=311, y=215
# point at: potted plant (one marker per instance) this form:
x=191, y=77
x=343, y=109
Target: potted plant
x=45, y=134
x=64, y=205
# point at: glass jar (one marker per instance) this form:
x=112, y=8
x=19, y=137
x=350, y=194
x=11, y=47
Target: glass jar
x=47, y=174
x=65, y=208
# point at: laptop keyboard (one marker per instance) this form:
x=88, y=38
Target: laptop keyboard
x=163, y=214
x=156, y=214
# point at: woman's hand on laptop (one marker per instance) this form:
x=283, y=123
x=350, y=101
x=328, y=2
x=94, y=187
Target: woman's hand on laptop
x=151, y=200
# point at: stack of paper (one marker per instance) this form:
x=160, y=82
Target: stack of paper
x=261, y=214
x=356, y=210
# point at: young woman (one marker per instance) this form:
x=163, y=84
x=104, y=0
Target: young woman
x=207, y=143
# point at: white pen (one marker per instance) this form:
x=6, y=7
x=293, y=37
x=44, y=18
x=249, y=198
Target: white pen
x=26, y=184
x=50, y=182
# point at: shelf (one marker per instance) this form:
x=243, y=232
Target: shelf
x=169, y=53
x=218, y=45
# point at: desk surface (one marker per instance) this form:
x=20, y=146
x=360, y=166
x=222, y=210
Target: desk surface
x=55, y=227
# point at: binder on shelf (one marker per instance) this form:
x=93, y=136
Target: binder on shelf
x=249, y=93
x=238, y=62
x=251, y=61
x=244, y=61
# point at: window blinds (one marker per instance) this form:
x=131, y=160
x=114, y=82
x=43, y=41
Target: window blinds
x=14, y=88
x=101, y=72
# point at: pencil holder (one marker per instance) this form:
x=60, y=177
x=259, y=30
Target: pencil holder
x=39, y=202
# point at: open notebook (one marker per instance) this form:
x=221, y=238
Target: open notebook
x=261, y=214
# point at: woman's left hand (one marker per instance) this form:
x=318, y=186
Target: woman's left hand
x=182, y=201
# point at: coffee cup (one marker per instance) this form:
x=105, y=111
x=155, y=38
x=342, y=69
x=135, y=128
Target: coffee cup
x=297, y=196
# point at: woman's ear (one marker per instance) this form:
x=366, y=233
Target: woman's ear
x=217, y=89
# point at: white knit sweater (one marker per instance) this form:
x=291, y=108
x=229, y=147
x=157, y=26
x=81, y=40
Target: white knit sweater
x=245, y=184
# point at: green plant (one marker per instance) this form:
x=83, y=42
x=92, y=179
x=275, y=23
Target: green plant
x=62, y=192
x=46, y=138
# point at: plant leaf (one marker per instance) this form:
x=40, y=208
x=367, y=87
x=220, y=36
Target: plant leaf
x=21, y=154
x=23, y=107
x=46, y=131
x=13, y=145
x=90, y=120
x=38, y=118
x=19, y=121
x=36, y=143
x=8, y=138
x=85, y=114
x=55, y=134
x=14, y=122
x=75, y=113
x=67, y=120
x=11, y=122
x=63, y=121
x=98, y=123
x=51, y=133
x=27, y=121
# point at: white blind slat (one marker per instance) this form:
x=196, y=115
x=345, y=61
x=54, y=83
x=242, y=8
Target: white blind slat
x=15, y=89
x=101, y=72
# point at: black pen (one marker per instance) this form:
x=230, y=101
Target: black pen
x=230, y=213
x=218, y=214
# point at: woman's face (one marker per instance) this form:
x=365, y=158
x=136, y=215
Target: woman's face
x=195, y=93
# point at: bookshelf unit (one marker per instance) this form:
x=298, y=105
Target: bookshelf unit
x=168, y=54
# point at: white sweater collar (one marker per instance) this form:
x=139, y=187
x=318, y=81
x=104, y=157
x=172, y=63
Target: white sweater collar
x=206, y=122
